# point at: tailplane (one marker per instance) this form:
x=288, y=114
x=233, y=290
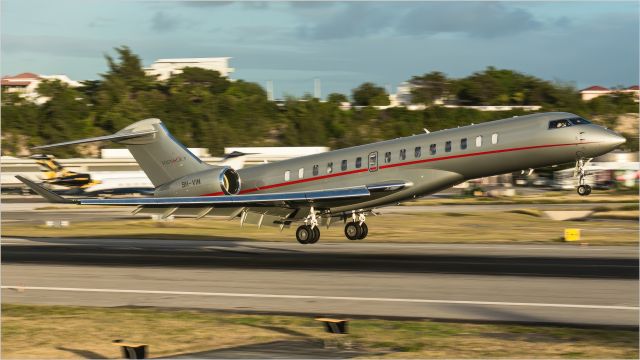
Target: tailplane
x=159, y=154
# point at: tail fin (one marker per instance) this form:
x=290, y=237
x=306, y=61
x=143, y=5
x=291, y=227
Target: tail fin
x=56, y=174
x=159, y=154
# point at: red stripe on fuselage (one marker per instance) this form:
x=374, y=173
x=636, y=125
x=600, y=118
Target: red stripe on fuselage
x=382, y=167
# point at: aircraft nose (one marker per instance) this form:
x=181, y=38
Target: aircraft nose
x=608, y=140
x=614, y=140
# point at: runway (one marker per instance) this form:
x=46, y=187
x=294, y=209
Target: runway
x=559, y=284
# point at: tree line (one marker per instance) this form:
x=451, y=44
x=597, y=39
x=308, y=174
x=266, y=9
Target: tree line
x=203, y=109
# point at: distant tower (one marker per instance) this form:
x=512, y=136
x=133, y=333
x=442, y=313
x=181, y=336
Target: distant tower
x=270, y=90
x=316, y=88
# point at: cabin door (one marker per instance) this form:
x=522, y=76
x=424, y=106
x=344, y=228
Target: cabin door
x=373, y=161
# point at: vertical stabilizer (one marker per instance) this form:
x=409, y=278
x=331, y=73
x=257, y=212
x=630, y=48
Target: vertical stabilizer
x=159, y=154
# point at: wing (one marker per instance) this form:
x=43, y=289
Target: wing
x=284, y=199
x=269, y=209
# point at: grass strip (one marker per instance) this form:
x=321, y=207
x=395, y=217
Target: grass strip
x=64, y=332
x=472, y=227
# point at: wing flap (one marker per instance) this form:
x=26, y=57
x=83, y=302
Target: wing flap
x=238, y=200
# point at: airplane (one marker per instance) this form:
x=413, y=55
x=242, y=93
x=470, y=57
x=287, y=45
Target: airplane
x=128, y=182
x=346, y=184
x=100, y=183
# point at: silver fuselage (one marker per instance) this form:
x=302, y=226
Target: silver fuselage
x=506, y=145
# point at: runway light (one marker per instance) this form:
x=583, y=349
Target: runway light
x=571, y=234
x=131, y=350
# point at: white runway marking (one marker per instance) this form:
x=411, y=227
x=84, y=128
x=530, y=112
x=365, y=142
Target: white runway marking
x=318, y=297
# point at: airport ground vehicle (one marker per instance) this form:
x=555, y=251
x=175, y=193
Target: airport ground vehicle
x=347, y=184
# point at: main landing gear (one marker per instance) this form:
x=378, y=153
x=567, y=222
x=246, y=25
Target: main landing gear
x=309, y=233
x=356, y=229
x=583, y=189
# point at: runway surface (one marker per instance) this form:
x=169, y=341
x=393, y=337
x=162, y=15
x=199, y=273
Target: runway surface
x=564, y=284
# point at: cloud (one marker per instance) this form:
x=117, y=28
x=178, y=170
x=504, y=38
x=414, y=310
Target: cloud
x=348, y=20
x=206, y=3
x=161, y=22
x=475, y=19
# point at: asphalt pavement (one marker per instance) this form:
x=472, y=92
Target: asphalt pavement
x=558, y=284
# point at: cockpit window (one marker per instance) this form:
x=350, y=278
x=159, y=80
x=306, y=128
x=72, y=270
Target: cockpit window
x=556, y=124
x=579, y=121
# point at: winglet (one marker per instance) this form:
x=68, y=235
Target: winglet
x=45, y=193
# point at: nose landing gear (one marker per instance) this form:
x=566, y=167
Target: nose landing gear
x=583, y=189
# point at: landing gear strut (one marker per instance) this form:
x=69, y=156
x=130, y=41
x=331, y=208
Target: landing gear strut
x=309, y=233
x=583, y=189
x=356, y=229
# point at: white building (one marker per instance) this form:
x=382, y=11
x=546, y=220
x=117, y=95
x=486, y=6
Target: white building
x=164, y=68
x=26, y=84
x=593, y=92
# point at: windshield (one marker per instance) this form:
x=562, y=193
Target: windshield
x=556, y=124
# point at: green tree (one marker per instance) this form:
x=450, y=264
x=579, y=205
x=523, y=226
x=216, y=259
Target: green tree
x=64, y=116
x=429, y=87
x=368, y=94
x=337, y=98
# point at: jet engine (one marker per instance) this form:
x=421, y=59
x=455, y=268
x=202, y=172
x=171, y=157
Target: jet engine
x=215, y=181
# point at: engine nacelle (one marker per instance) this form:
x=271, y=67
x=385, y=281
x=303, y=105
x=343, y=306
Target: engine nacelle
x=216, y=181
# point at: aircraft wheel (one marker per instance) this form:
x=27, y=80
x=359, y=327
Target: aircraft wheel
x=316, y=235
x=353, y=230
x=584, y=190
x=365, y=231
x=304, y=234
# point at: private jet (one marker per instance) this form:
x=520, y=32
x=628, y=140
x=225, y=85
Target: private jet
x=346, y=184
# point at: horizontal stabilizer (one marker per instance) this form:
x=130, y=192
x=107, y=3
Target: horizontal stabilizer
x=45, y=193
x=114, y=137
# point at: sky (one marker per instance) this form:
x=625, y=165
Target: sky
x=341, y=43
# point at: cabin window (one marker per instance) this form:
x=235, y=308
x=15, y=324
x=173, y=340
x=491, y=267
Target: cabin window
x=329, y=168
x=287, y=175
x=358, y=162
x=432, y=149
x=479, y=141
x=557, y=124
x=387, y=157
x=343, y=166
x=418, y=152
x=315, y=170
x=403, y=154
x=447, y=146
x=494, y=138
x=300, y=173
x=463, y=143
x=579, y=121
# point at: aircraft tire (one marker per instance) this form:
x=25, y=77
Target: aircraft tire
x=584, y=190
x=316, y=235
x=352, y=230
x=365, y=231
x=304, y=234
